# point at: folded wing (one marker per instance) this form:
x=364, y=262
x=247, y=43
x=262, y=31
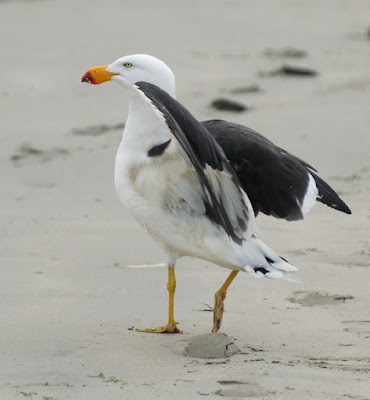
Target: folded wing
x=225, y=202
x=276, y=182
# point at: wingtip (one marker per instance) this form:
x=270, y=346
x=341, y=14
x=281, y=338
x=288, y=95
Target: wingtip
x=342, y=207
x=328, y=196
x=347, y=211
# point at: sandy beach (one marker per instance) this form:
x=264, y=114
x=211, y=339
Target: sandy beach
x=72, y=294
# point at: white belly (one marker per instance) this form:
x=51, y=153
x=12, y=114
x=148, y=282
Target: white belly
x=155, y=191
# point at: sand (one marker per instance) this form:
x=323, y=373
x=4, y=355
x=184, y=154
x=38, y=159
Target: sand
x=69, y=302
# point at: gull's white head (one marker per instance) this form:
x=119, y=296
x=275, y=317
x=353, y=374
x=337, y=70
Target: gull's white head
x=131, y=69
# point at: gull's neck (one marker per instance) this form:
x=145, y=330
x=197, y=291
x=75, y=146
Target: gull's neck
x=143, y=120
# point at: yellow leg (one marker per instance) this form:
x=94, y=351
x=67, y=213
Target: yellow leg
x=170, y=327
x=220, y=296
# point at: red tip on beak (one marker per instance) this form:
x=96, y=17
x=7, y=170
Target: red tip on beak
x=88, y=78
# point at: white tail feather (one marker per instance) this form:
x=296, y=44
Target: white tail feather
x=263, y=261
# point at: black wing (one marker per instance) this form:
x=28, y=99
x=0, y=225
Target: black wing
x=209, y=162
x=274, y=180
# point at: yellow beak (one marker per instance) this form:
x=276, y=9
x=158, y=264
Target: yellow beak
x=97, y=75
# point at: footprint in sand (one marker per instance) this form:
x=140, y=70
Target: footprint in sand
x=28, y=152
x=361, y=328
x=309, y=299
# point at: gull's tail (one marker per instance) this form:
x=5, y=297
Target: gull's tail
x=263, y=261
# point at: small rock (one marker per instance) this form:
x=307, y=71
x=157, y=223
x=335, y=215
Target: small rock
x=211, y=345
x=291, y=70
x=228, y=105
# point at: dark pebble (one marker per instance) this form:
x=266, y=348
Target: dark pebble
x=290, y=70
x=228, y=105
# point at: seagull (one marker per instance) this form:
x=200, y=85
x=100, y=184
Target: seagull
x=197, y=187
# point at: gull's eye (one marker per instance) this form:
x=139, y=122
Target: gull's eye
x=127, y=65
